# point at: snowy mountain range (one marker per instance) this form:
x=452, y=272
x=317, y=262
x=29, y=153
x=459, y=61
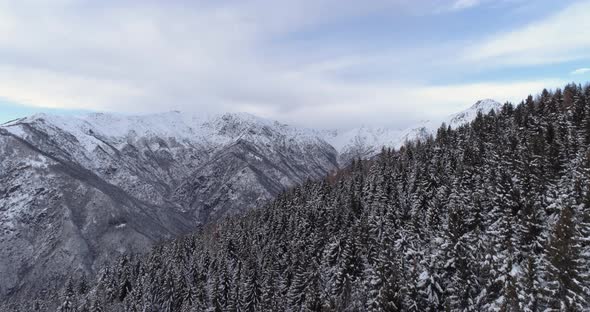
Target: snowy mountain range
x=77, y=191
x=365, y=142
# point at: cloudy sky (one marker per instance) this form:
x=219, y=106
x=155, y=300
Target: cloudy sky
x=318, y=63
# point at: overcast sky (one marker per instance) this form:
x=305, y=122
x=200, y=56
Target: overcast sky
x=317, y=63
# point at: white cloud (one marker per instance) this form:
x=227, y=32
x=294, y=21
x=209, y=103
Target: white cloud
x=140, y=57
x=580, y=71
x=558, y=38
x=60, y=90
x=398, y=104
x=461, y=5
x=461, y=95
x=214, y=57
x=465, y=4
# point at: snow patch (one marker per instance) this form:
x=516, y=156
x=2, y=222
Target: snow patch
x=40, y=162
x=16, y=130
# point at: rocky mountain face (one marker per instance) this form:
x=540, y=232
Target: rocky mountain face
x=76, y=192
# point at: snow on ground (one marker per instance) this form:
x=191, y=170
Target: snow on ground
x=16, y=129
x=39, y=162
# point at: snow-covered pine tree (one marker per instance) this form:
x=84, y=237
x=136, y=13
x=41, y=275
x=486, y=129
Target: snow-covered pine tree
x=565, y=289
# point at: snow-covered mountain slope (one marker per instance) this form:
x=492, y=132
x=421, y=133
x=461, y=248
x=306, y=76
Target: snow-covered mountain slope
x=365, y=142
x=76, y=191
x=481, y=106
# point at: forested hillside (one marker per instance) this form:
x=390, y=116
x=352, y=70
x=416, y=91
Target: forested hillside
x=491, y=216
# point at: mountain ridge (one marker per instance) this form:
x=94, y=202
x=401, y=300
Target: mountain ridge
x=194, y=127
x=490, y=216
x=77, y=191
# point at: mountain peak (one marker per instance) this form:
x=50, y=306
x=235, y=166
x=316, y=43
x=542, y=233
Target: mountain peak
x=482, y=106
x=485, y=105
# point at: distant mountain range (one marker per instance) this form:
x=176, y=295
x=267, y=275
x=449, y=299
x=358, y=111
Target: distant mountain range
x=77, y=191
x=365, y=142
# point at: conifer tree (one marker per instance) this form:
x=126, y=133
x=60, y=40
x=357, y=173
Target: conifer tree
x=565, y=289
x=490, y=216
